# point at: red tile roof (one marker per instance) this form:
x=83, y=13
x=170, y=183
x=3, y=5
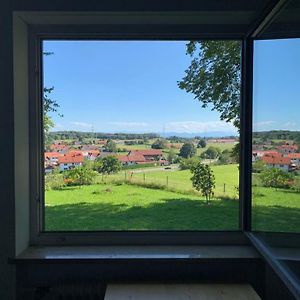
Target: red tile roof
x=70, y=159
x=276, y=160
x=148, y=152
x=52, y=154
x=132, y=158
x=294, y=155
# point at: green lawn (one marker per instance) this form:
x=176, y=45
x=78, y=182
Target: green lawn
x=127, y=207
x=225, y=174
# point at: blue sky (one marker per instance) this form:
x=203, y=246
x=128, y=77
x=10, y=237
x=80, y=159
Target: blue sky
x=132, y=86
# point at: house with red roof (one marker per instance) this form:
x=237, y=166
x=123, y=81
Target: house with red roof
x=132, y=159
x=280, y=162
x=52, y=157
x=70, y=161
x=295, y=159
x=287, y=149
x=149, y=154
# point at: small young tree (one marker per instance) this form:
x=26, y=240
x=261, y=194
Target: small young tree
x=108, y=165
x=188, y=163
x=211, y=153
x=187, y=150
x=201, y=143
x=203, y=180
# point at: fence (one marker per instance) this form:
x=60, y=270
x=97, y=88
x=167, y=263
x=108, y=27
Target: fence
x=168, y=181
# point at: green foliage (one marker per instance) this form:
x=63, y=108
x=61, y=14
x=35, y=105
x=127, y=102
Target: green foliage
x=188, y=163
x=235, y=154
x=274, y=177
x=201, y=144
x=54, y=181
x=296, y=185
x=203, y=180
x=211, y=153
x=187, y=150
x=258, y=166
x=108, y=165
x=159, y=144
x=214, y=76
x=110, y=146
x=225, y=158
x=171, y=156
x=80, y=176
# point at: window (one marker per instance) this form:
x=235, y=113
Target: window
x=128, y=121
x=276, y=136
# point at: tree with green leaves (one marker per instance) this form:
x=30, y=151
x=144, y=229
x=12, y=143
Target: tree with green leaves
x=107, y=165
x=80, y=176
x=201, y=143
x=203, y=180
x=171, y=156
x=159, y=144
x=211, y=153
x=214, y=76
x=188, y=163
x=187, y=150
x=110, y=146
x=49, y=106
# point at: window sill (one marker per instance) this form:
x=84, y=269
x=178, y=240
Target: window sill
x=95, y=253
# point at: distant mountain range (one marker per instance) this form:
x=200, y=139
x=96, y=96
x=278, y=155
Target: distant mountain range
x=212, y=134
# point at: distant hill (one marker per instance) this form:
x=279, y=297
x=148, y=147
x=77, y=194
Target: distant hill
x=277, y=135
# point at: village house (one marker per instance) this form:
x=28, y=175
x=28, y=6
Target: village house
x=259, y=154
x=287, y=149
x=52, y=157
x=70, y=161
x=61, y=148
x=149, y=154
x=132, y=159
x=295, y=159
x=279, y=162
x=91, y=154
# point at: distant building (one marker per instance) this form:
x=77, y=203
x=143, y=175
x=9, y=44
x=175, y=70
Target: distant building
x=70, y=161
x=282, y=163
x=149, y=154
x=287, y=149
x=132, y=159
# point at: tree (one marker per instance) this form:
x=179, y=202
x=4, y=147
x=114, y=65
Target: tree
x=171, y=155
x=188, y=163
x=274, y=177
x=203, y=180
x=108, y=165
x=201, y=144
x=187, y=150
x=49, y=105
x=211, y=153
x=110, y=146
x=80, y=176
x=235, y=153
x=213, y=76
x=159, y=144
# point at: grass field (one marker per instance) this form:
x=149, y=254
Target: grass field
x=227, y=174
x=130, y=207
x=126, y=207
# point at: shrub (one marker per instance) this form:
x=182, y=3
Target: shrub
x=275, y=177
x=108, y=165
x=80, y=176
x=54, y=182
x=187, y=150
x=296, y=185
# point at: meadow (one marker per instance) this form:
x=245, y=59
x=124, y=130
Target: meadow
x=150, y=202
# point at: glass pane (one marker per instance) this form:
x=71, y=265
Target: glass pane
x=276, y=136
x=126, y=126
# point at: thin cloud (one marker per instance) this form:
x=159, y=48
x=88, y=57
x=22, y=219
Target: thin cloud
x=194, y=126
x=128, y=125
x=82, y=124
